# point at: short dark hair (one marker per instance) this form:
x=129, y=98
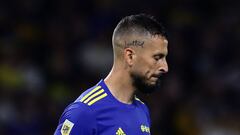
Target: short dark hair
x=141, y=22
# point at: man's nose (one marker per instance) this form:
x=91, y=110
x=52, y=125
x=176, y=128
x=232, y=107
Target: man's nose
x=164, y=67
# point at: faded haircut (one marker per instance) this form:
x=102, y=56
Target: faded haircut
x=140, y=23
x=136, y=25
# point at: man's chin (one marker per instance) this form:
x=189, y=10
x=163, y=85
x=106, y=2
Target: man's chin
x=146, y=87
x=150, y=88
x=152, y=84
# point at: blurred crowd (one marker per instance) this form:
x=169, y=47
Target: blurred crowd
x=52, y=50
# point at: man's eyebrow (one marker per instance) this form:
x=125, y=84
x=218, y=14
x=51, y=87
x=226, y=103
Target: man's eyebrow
x=161, y=54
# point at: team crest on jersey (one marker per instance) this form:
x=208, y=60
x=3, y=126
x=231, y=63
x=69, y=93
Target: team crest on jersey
x=120, y=132
x=66, y=127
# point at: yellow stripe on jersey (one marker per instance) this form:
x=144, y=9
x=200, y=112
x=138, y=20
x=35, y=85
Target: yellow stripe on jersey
x=88, y=94
x=96, y=99
x=94, y=95
x=138, y=100
x=120, y=132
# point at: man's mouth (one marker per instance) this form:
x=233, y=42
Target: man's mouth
x=157, y=76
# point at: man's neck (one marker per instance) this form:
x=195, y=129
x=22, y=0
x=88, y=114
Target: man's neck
x=120, y=85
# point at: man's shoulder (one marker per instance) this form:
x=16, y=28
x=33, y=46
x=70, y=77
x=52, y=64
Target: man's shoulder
x=80, y=106
x=93, y=95
x=87, y=104
x=77, y=118
x=76, y=110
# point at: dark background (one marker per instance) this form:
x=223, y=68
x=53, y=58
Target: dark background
x=52, y=50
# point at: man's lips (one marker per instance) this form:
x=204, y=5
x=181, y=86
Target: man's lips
x=157, y=75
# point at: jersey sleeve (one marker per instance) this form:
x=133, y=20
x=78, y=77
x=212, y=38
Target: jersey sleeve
x=77, y=119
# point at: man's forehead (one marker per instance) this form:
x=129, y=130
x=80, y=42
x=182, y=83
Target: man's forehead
x=158, y=38
x=157, y=41
x=157, y=44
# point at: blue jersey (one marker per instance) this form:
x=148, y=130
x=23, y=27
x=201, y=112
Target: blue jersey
x=98, y=112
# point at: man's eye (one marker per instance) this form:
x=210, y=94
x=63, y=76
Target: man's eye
x=156, y=58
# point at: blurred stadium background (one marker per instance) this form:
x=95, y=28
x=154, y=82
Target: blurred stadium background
x=51, y=50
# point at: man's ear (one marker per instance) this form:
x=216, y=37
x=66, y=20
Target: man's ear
x=129, y=55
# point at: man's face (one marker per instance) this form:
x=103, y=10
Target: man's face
x=149, y=64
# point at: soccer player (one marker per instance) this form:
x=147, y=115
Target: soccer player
x=111, y=106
